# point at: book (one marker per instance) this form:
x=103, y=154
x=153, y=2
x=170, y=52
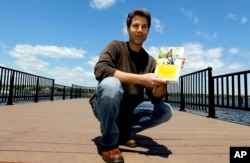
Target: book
x=169, y=62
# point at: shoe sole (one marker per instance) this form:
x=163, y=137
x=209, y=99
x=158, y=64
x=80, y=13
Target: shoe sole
x=114, y=160
x=131, y=145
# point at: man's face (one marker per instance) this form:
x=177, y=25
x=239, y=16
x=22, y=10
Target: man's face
x=138, y=30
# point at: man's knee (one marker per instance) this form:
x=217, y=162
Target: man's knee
x=167, y=113
x=110, y=87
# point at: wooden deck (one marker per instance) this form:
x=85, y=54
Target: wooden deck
x=66, y=131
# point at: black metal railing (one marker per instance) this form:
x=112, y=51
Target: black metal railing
x=17, y=87
x=62, y=92
x=192, y=91
x=231, y=90
x=82, y=91
x=200, y=91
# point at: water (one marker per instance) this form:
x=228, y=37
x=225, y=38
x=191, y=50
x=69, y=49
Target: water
x=233, y=115
x=226, y=114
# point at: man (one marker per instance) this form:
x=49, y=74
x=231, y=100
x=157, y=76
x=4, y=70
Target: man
x=124, y=70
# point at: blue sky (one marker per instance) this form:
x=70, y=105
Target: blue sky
x=62, y=39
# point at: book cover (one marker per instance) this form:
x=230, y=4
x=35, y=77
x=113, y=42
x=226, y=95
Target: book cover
x=168, y=63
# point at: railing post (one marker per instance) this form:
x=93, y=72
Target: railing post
x=80, y=91
x=63, y=92
x=71, y=92
x=246, y=94
x=211, y=111
x=182, y=105
x=166, y=95
x=75, y=92
x=37, y=90
x=52, y=90
x=10, y=96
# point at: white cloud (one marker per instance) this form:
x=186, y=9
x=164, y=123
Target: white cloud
x=153, y=51
x=244, y=20
x=231, y=16
x=206, y=36
x=234, y=66
x=37, y=60
x=124, y=29
x=2, y=65
x=198, y=58
x=102, y=4
x=32, y=64
x=196, y=20
x=233, y=51
x=214, y=53
x=26, y=50
x=93, y=61
x=76, y=75
x=2, y=46
x=190, y=15
x=157, y=25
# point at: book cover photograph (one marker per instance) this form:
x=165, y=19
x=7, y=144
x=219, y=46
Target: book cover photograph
x=169, y=63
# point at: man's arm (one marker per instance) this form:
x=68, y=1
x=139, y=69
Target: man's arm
x=128, y=78
x=149, y=80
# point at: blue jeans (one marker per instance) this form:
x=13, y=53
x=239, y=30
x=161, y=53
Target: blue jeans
x=109, y=95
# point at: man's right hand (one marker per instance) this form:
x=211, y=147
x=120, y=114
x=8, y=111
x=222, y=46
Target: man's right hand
x=151, y=80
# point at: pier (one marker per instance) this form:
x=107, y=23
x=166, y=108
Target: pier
x=66, y=131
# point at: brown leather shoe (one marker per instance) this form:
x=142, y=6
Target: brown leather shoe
x=112, y=156
x=131, y=143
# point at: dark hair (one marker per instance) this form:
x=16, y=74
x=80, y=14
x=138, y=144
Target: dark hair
x=140, y=12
